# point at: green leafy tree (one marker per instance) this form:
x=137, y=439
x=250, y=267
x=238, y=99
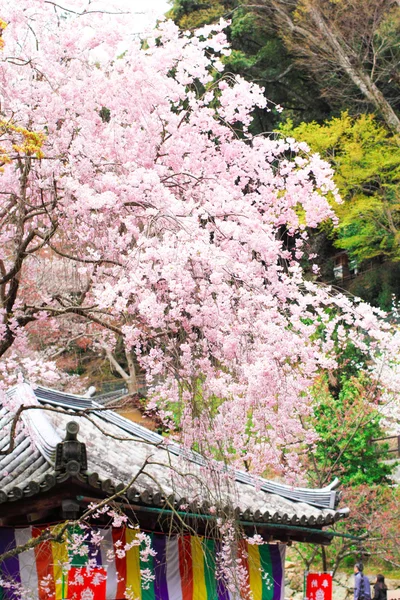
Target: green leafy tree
x=366, y=160
x=346, y=421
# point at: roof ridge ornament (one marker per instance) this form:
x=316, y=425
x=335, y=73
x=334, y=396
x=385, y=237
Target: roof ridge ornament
x=70, y=453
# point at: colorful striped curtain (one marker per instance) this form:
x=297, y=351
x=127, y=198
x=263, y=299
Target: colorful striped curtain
x=184, y=568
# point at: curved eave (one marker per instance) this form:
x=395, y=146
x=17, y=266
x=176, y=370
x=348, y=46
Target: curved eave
x=153, y=498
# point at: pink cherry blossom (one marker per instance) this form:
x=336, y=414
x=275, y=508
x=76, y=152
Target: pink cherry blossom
x=147, y=215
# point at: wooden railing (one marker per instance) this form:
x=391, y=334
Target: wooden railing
x=396, y=445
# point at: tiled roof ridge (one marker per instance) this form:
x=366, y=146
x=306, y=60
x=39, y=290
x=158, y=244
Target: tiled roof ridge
x=326, y=497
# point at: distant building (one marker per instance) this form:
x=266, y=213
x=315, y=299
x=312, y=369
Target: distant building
x=344, y=267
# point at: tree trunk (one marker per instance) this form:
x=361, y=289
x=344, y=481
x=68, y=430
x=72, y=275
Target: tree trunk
x=318, y=38
x=128, y=376
x=349, y=62
x=131, y=382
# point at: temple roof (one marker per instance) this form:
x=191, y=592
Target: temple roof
x=117, y=449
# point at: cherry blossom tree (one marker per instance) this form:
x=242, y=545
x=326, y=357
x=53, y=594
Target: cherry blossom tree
x=136, y=209
x=135, y=200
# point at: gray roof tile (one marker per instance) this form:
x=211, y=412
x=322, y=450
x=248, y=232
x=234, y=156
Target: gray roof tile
x=172, y=470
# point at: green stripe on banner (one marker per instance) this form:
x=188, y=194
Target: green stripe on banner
x=266, y=572
x=77, y=559
x=209, y=568
x=148, y=593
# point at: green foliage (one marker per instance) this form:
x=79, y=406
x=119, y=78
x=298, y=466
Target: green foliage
x=190, y=14
x=346, y=423
x=366, y=159
x=105, y=114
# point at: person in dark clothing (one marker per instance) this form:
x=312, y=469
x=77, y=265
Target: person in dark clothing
x=380, y=589
x=362, y=587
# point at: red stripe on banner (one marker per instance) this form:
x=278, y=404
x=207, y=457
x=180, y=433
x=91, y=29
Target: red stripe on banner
x=244, y=561
x=120, y=563
x=44, y=567
x=186, y=567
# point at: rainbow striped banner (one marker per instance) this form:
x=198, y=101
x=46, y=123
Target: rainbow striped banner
x=184, y=568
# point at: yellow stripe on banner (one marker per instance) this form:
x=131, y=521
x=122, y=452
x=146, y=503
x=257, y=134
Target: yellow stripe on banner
x=133, y=585
x=199, y=580
x=60, y=568
x=255, y=571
